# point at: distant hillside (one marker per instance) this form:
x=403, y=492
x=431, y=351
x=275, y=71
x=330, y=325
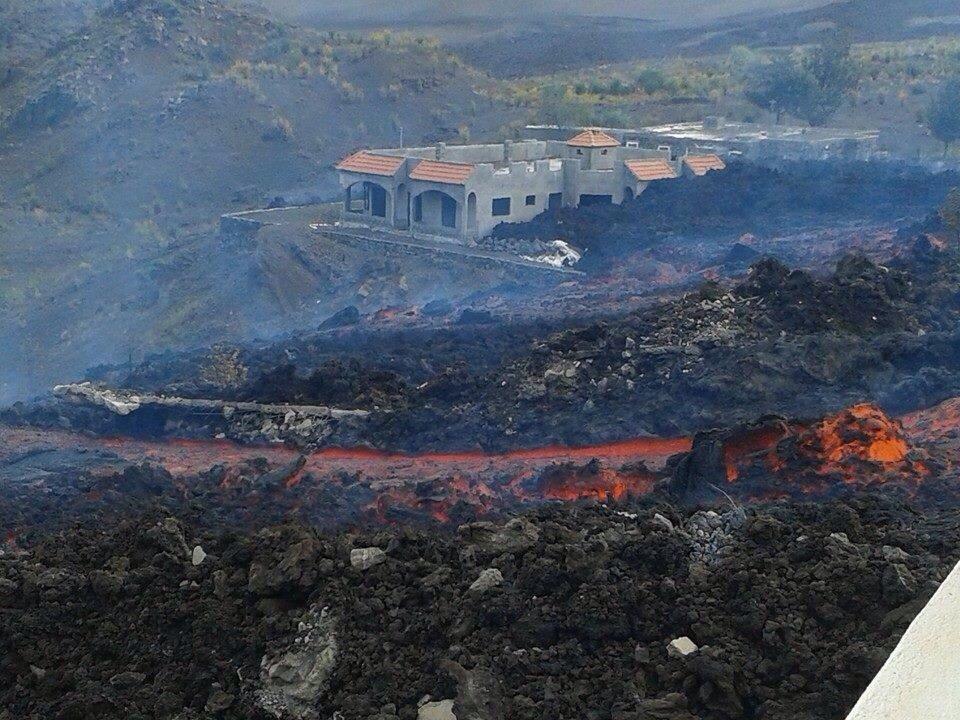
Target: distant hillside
x=121, y=146
x=858, y=20
x=561, y=42
x=29, y=28
x=441, y=12
x=225, y=97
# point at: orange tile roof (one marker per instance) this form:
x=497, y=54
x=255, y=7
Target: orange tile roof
x=651, y=169
x=442, y=172
x=370, y=163
x=592, y=138
x=702, y=164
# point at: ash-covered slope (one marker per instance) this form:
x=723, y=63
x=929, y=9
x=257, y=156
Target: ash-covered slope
x=29, y=28
x=528, y=45
x=781, y=341
x=195, y=101
x=122, y=145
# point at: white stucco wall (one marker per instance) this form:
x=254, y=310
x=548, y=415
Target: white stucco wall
x=921, y=678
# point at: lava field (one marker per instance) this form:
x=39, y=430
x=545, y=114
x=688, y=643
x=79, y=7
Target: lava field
x=331, y=389
x=724, y=503
x=639, y=610
x=777, y=341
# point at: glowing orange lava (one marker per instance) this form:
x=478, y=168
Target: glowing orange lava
x=862, y=432
x=859, y=446
x=750, y=443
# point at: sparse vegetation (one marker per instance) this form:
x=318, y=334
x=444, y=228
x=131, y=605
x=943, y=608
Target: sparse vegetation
x=152, y=233
x=943, y=115
x=816, y=84
x=223, y=368
x=809, y=85
x=280, y=131
x=950, y=211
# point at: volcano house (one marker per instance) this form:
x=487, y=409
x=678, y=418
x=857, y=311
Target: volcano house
x=463, y=192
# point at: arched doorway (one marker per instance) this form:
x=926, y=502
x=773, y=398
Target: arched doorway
x=472, y=212
x=367, y=198
x=435, y=209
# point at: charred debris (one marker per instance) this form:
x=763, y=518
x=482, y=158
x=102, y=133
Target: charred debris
x=778, y=341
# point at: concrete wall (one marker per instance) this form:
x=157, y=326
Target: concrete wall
x=431, y=203
x=641, y=153
x=537, y=168
x=474, y=154
x=354, y=183
x=921, y=678
x=515, y=180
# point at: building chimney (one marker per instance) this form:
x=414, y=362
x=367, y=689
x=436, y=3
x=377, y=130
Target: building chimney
x=441, y=150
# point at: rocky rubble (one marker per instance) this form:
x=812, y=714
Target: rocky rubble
x=643, y=610
x=292, y=681
x=781, y=341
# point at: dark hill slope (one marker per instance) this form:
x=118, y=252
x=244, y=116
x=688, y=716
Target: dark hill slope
x=165, y=99
x=30, y=28
x=122, y=145
x=562, y=42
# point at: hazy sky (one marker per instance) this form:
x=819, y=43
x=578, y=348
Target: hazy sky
x=670, y=11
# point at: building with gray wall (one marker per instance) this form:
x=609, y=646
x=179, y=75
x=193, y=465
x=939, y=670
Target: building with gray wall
x=762, y=143
x=464, y=191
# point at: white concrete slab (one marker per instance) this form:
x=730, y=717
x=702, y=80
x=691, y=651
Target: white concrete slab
x=921, y=678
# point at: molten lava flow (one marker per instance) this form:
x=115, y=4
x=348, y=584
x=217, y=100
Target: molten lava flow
x=385, y=314
x=363, y=482
x=860, y=446
x=653, y=448
x=568, y=482
x=749, y=443
x=860, y=433
x=390, y=314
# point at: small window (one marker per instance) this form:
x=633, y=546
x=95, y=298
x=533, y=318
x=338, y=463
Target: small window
x=603, y=152
x=500, y=207
x=579, y=151
x=531, y=200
